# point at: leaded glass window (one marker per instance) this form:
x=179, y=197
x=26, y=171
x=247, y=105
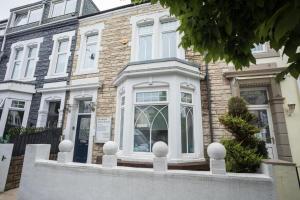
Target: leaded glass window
x=150, y=126
x=255, y=96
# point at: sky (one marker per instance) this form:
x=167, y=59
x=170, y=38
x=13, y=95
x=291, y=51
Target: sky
x=6, y=5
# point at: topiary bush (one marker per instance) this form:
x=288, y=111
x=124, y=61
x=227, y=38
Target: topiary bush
x=245, y=151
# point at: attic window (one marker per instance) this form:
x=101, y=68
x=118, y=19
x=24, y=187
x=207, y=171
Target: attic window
x=28, y=17
x=63, y=7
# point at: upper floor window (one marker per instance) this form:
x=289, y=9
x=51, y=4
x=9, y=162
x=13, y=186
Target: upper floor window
x=88, y=51
x=31, y=60
x=155, y=36
x=145, y=42
x=169, y=39
x=61, y=60
x=17, y=63
x=23, y=59
x=62, y=7
x=27, y=17
x=260, y=48
x=61, y=52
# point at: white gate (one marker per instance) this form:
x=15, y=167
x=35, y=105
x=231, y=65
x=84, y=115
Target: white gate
x=5, y=157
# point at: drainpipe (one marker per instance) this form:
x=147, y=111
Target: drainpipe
x=209, y=104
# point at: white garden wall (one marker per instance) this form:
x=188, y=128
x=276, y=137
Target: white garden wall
x=49, y=180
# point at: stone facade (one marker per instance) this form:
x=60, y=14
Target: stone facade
x=115, y=55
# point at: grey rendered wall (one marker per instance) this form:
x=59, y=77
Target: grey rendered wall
x=43, y=63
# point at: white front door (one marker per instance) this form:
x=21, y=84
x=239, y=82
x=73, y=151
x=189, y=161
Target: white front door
x=258, y=104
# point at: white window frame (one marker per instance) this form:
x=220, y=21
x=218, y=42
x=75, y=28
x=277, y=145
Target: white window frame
x=144, y=35
x=81, y=49
x=158, y=19
x=173, y=86
x=166, y=103
x=54, y=56
x=65, y=5
x=188, y=105
x=7, y=107
x=270, y=120
x=12, y=24
x=44, y=107
x=25, y=45
x=169, y=30
x=27, y=59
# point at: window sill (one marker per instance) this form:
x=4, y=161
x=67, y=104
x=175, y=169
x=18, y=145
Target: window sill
x=56, y=76
x=22, y=80
x=94, y=71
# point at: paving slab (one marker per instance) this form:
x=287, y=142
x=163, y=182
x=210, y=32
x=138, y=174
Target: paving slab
x=9, y=195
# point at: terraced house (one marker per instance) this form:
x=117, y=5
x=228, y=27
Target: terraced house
x=133, y=84
x=36, y=55
x=121, y=75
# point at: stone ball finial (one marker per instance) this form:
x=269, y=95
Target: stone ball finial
x=110, y=148
x=65, y=146
x=160, y=149
x=216, y=151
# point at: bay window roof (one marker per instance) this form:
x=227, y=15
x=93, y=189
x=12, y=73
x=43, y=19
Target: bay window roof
x=159, y=66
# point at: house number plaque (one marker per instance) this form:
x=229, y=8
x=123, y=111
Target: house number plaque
x=103, y=130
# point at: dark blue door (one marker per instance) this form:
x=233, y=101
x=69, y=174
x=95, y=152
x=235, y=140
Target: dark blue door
x=82, y=138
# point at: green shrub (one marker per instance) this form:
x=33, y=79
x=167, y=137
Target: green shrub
x=245, y=152
x=239, y=158
x=12, y=132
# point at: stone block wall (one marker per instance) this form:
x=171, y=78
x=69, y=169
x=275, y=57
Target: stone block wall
x=115, y=54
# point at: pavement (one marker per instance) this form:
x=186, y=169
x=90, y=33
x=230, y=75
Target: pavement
x=9, y=195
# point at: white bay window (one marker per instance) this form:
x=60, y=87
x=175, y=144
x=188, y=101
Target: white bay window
x=159, y=107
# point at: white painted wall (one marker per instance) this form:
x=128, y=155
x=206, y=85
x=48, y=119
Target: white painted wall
x=5, y=157
x=49, y=180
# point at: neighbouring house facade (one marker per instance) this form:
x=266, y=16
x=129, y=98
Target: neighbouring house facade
x=291, y=91
x=36, y=59
x=125, y=78
x=131, y=83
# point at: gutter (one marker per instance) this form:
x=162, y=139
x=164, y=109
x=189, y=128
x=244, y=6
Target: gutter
x=209, y=104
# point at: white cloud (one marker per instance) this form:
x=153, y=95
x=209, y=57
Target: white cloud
x=9, y=4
